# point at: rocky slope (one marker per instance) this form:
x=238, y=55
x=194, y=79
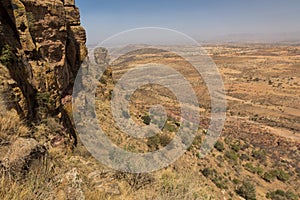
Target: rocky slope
x=253, y=158
x=42, y=46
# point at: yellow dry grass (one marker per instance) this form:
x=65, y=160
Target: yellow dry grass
x=10, y=124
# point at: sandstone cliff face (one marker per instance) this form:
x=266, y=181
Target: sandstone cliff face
x=42, y=44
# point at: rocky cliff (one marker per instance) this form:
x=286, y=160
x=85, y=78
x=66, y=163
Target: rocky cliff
x=42, y=45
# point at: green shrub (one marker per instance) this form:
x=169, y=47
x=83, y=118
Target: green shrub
x=282, y=175
x=291, y=196
x=217, y=179
x=231, y=155
x=44, y=99
x=282, y=195
x=253, y=169
x=259, y=171
x=6, y=55
x=236, y=181
x=276, y=195
x=164, y=139
x=219, y=146
x=103, y=80
x=244, y=157
x=277, y=173
x=158, y=140
x=170, y=127
x=269, y=176
x=236, y=146
x=197, y=140
x=130, y=148
x=220, y=182
x=31, y=20
x=207, y=172
x=247, y=190
x=153, y=142
x=250, y=167
x=146, y=119
x=259, y=154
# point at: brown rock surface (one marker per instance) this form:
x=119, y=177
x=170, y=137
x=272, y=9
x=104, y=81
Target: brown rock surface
x=47, y=46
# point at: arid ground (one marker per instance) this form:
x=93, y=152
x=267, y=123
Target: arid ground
x=261, y=136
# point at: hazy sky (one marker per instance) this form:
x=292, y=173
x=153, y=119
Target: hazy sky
x=197, y=18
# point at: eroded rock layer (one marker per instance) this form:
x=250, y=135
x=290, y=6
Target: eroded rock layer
x=42, y=44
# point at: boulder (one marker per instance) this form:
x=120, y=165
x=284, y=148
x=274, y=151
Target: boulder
x=21, y=154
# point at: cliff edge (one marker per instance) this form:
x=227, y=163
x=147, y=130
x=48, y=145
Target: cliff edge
x=42, y=45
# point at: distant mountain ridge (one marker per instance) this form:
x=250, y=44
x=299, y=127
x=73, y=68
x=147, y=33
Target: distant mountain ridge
x=284, y=37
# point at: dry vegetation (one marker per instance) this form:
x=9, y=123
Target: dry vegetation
x=257, y=156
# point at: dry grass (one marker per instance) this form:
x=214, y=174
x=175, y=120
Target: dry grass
x=34, y=185
x=37, y=184
x=11, y=125
x=168, y=186
x=10, y=190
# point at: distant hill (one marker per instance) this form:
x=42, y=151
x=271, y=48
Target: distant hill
x=288, y=38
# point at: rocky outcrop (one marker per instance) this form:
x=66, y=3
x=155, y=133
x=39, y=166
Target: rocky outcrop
x=21, y=154
x=42, y=45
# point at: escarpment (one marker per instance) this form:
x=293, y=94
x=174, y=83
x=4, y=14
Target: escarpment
x=42, y=47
